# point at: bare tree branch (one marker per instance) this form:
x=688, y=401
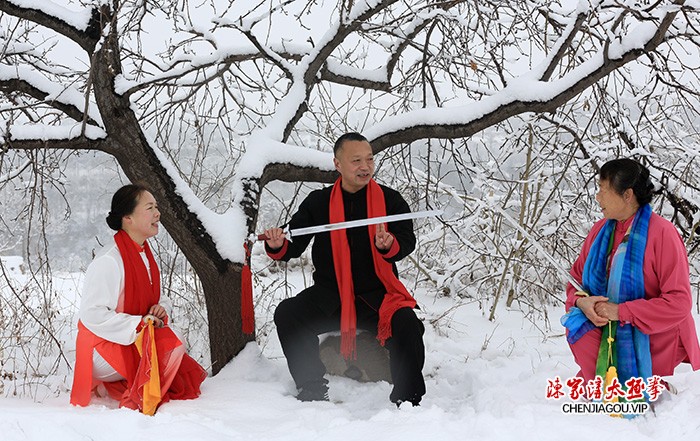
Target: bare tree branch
x=330, y=76
x=314, y=65
x=291, y=173
x=564, y=47
x=80, y=143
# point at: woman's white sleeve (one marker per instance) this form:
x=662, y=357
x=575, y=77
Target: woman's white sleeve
x=98, y=306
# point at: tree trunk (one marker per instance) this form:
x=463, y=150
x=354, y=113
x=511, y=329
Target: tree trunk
x=222, y=292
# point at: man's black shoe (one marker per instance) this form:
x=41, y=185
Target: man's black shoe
x=415, y=402
x=315, y=392
x=414, y=399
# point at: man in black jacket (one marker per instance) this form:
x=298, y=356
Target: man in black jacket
x=370, y=295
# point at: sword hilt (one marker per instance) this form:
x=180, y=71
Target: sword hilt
x=263, y=236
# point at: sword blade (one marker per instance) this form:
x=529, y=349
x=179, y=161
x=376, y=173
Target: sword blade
x=357, y=223
x=537, y=246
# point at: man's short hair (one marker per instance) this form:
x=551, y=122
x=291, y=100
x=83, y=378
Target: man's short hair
x=351, y=136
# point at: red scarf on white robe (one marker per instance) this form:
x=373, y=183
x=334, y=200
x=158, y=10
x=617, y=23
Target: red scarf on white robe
x=396, y=296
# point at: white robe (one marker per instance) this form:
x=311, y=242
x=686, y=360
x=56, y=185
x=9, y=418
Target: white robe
x=102, y=295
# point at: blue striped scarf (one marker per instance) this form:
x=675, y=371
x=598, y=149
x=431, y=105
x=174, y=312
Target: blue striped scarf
x=631, y=345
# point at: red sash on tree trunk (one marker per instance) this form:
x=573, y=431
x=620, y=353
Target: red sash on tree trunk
x=397, y=295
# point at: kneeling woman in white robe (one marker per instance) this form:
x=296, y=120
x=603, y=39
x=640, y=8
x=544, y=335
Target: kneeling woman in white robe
x=121, y=295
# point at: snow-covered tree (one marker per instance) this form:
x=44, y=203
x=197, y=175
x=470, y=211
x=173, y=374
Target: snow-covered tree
x=533, y=93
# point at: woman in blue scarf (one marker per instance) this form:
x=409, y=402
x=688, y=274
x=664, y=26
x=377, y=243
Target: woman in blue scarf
x=634, y=270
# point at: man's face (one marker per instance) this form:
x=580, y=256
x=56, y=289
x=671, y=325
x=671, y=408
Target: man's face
x=354, y=161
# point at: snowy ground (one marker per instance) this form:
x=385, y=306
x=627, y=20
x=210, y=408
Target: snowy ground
x=485, y=381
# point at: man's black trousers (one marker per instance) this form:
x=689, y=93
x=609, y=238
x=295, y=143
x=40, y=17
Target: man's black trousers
x=300, y=320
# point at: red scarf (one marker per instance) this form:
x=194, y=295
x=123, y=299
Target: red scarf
x=140, y=292
x=397, y=295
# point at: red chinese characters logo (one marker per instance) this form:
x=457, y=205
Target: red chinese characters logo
x=655, y=386
x=576, y=388
x=635, y=386
x=633, y=389
x=614, y=390
x=594, y=388
x=554, y=389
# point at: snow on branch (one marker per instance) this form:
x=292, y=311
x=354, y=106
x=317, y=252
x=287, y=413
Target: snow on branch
x=222, y=58
x=361, y=9
x=82, y=26
x=377, y=79
x=523, y=94
x=45, y=133
x=380, y=79
x=263, y=151
x=247, y=22
x=67, y=99
x=315, y=58
x=39, y=137
x=226, y=229
x=337, y=33
x=77, y=19
x=305, y=74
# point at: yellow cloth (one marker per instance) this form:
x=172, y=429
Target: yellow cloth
x=151, y=388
